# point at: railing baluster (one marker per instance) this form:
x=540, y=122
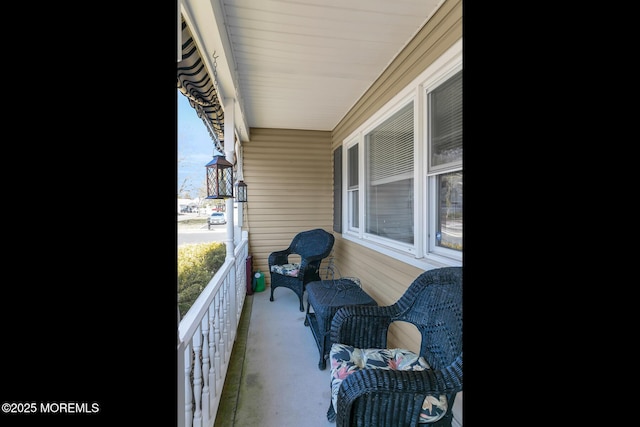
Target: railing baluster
x=233, y=308
x=197, y=377
x=219, y=381
x=212, y=377
x=223, y=332
x=188, y=397
x=227, y=321
x=206, y=400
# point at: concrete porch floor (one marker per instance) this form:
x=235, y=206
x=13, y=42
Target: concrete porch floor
x=273, y=378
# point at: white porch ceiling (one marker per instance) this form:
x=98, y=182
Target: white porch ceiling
x=300, y=64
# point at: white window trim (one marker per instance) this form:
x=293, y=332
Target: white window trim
x=418, y=254
x=346, y=214
x=429, y=246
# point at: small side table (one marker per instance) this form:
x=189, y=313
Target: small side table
x=326, y=297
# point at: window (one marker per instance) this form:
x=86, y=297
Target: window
x=389, y=177
x=444, y=111
x=403, y=168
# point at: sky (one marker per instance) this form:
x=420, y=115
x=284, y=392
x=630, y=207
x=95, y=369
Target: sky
x=195, y=148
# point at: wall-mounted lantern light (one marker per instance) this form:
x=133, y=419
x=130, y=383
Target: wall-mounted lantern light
x=241, y=193
x=219, y=178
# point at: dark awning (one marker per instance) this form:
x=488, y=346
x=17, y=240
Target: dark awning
x=197, y=85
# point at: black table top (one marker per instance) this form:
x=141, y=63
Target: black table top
x=336, y=293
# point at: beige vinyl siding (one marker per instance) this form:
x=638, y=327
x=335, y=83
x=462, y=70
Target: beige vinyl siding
x=289, y=180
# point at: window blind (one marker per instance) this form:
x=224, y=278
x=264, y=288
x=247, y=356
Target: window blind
x=445, y=104
x=391, y=148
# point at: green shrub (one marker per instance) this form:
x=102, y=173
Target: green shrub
x=197, y=264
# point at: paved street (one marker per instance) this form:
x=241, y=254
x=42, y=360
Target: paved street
x=199, y=233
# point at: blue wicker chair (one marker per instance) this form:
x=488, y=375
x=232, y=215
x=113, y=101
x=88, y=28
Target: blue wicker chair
x=312, y=246
x=369, y=389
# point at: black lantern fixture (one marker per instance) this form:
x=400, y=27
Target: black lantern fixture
x=219, y=178
x=241, y=193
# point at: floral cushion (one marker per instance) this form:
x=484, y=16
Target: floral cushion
x=286, y=269
x=346, y=359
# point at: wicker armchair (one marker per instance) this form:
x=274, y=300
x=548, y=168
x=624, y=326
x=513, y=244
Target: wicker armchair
x=366, y=396
x=312, y=246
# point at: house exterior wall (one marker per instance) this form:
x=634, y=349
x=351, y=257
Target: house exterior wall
x=289, y=179
x=385, y=278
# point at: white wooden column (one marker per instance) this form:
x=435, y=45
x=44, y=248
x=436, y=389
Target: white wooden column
x=229, y=147
x=229, y=151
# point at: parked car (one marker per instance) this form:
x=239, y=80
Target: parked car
x=216, y=218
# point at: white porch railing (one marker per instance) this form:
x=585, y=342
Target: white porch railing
x=205, y=339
